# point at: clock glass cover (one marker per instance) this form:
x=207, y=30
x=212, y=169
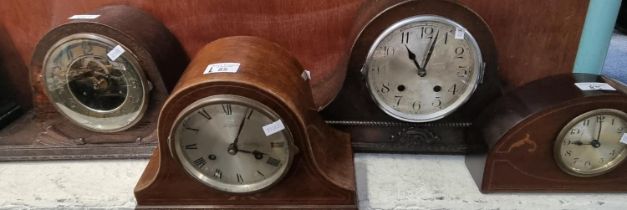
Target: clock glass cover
x=221, y=141
x=423, y=68
x=590, y=144
x=90, y=88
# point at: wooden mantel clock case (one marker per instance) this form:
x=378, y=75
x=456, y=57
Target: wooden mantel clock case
x=241, y=130
x=552, y=136
x=98, y=83
x=419, y=73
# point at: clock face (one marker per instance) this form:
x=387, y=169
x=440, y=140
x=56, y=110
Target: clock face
x=92, y=90
x=589, y=145
x=220, y=141
x=423, y=68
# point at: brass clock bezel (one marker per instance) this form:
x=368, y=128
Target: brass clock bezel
x=608, y=167
x=143, y=81
x=475, y=78
x=176, y=152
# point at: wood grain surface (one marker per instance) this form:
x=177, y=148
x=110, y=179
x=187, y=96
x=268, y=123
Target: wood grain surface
x=322, y=175
x=534, y=38
x=520, y=130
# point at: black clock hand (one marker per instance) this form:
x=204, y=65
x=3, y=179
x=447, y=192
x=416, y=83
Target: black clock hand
x=232, y=149
x=428, y=57
x=600, y=127
x=593, y=143
x=258, y=155
x=412, y=57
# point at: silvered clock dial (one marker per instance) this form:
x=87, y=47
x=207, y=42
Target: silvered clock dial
x=220, y=141
x=95, y=88
x=423, y=68
x=590, y=144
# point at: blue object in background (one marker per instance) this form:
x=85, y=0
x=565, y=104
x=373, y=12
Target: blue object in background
x=616, y=62
x=596, y=35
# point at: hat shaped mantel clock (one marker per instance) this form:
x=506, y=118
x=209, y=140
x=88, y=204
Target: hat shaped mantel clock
x=561, y=133
x=419, y=72
x=241, y=131
x=99, y=81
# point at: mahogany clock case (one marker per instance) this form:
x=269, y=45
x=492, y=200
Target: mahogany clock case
x=321, y=175
x=521, y=128
x=318, y=33
x=10, y=110
x=45, y=134
x=372, y=130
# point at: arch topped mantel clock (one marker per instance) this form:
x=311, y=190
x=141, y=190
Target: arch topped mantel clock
x=564, y=133
x=98, y=82
x=241, y=130
x=419, y=72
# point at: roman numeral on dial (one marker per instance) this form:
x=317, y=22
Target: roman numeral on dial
x=204, y=114
x=200, y=162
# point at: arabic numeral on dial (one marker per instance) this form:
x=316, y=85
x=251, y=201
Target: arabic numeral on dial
x=405, y=37
x=415, y=105
x=426, y=32
x=437, y=102
x=568, y=153
x=453, y=89
x=587, y=163
x=459, y=52
x=612, y=153
x=398, y=100
x=462, y=71
x=385, y=89
x=575, y=160
x=575, y=131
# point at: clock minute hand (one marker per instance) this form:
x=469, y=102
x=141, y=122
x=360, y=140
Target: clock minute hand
x=232, y=149
x=430, y=52
x=412, y=57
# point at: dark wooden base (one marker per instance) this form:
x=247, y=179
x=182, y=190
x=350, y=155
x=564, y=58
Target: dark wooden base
x=399, y=137
x=258, y=207
x=30, y=139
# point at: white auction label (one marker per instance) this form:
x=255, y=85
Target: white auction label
x=273, y=128
x=594, y=86
x=306, y=75
x=115, y=53
x=624, y=138
x=222, y=68
x=459, y=33
x=83, y=17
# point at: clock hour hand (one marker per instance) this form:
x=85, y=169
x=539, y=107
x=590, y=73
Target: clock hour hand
x=430, y=52
x=593, y=143
x=258, y=155
x=412, y=57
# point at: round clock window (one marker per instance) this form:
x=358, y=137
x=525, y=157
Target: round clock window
x=93, y=88
x=423, y=68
